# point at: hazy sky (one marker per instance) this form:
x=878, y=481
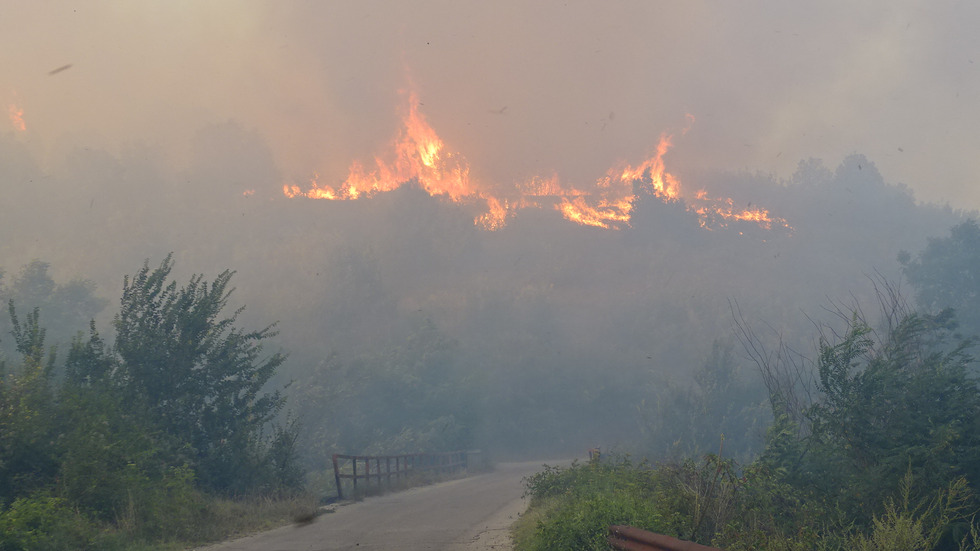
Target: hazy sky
x=519, y=88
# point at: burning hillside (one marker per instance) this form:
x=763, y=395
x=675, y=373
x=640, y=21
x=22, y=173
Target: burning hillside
x=419, y=156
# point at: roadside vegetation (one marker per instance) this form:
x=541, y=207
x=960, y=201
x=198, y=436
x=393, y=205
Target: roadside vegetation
x=875, y=443
x=166, y=437
x=168, y=427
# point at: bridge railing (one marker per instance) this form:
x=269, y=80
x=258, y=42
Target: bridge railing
x=383, y=469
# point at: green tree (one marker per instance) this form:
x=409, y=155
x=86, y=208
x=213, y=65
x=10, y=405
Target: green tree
x=28, y=455
x=190, y=368
x=90, y=362
x=67, y=306
x=946, y=274
x=889, y=404
x=721, y=408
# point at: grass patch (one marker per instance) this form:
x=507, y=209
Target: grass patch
x=230, y=518
x=49, y=523
x=572, y=508
x=712, y=503
x=524, y=531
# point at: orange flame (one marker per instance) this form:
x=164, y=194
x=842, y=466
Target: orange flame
x=664, y=185
x=17, y=117
x=720, y=211
x=604, y=215
x=420, y=157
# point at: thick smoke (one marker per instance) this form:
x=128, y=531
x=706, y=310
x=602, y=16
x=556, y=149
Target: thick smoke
x=540, y=336
x=520, y=89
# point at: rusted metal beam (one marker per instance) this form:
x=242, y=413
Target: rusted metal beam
x=627, y=538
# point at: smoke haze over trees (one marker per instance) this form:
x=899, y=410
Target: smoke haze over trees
x=540, y=336
x=774, y=161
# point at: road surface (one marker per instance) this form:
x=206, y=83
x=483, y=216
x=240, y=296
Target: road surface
x=469, y=514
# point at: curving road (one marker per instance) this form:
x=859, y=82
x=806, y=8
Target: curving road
x=468, y=514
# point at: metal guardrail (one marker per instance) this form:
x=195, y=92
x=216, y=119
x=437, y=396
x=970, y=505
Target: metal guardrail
x=627, y=538
x=378, y=468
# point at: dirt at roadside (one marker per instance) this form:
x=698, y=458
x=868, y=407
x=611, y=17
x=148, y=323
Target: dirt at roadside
x=494, y=534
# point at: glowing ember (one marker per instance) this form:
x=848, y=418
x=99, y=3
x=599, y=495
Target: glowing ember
x=419, y=156
x=17, y=117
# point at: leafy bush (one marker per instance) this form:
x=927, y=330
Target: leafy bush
x=124, y=448
x=722, y=403
x=44, y=522
x=582, y=501
x=885, y=456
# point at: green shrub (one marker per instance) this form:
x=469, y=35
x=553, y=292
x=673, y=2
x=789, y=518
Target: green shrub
x=707, y=501
x=44, y=522
x=580, y=502
x=896, y=531
x=583, y=524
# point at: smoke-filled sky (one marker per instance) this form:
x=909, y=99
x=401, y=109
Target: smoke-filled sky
x=518, y=88
x=131, y=129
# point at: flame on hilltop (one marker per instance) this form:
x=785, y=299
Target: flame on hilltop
x=16, y=117
x=419, y=156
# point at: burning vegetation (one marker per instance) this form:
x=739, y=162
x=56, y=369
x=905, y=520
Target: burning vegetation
x=421, y=158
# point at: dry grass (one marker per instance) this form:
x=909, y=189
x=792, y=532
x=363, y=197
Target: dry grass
x=227, y=519
x=237, y=517
x=524, y=530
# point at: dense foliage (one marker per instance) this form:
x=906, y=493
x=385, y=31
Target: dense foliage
x=946, y=274
x=714, y=501
x=905, y=404
x=67, y=306
x=133, y=441
x=723, y=411
x=886, y=456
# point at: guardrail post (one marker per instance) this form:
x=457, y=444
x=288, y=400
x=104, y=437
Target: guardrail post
x=355, y=474
x=367, y=474
x=336, y=478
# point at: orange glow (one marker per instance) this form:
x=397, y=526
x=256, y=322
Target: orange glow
x=418, y=156
x=17, y=117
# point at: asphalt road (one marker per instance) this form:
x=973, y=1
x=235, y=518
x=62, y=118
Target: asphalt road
x=468, y=514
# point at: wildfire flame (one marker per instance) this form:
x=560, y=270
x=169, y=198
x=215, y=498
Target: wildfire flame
x=16, y=117
x=419, y=156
